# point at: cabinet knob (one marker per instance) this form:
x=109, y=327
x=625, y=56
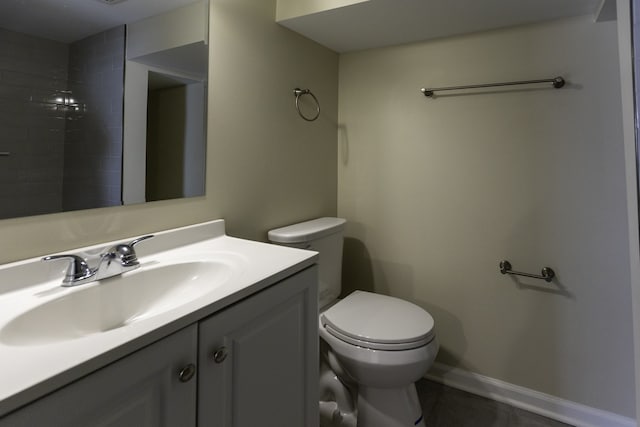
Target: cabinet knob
x=220, y=354
x=187, y=372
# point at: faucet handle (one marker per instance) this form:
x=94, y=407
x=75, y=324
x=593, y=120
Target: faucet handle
x=77, y=270
x=125, y=253
x=140, y=239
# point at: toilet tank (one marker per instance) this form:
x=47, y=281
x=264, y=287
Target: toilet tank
x=325, y=236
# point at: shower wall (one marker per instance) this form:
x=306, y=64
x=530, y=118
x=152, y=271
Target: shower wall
x=60, y=158
x=93, y=144
x=33, y=72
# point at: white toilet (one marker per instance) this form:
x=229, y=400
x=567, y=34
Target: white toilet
x=373, y=347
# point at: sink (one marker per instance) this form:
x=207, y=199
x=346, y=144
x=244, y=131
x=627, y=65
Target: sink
x=52, y=335
x=115, y=302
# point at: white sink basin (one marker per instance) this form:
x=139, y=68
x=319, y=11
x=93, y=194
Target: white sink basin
x=115, y=302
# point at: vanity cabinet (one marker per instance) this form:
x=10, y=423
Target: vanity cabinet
x=258, y=360
x=254, y=363
x=150, y=387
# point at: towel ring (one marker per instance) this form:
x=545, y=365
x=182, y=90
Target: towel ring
x=298, y=93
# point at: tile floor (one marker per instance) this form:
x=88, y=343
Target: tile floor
x=448, y=407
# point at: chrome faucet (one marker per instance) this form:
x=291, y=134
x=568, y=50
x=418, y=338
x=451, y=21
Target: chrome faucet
x=119, y=259
x=116, y=260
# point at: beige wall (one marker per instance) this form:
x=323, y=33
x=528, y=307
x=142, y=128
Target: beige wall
x=270, y=167
x=265, y=166
x=438, y=191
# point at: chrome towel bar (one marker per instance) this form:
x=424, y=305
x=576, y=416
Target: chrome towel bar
x=4, y=154
x=547, y=273
x=557, y=83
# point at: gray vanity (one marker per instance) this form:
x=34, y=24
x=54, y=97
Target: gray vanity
x=209, y=331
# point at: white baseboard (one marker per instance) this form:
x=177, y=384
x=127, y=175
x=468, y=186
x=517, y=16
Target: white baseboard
x=527, y=399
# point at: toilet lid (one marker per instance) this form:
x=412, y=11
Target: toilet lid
x=366, y=318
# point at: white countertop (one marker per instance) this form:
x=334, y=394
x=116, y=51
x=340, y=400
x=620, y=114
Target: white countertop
x=28, y=371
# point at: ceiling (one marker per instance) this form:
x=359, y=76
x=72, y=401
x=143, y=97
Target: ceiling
x=368, y=24
x=70, y=20
x=377, y=23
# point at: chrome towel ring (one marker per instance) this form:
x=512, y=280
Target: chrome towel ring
x=298, y=93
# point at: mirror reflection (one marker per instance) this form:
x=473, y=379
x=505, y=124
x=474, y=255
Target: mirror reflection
x=101, y=103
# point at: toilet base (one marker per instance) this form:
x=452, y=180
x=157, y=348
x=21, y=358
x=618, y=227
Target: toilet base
x=336, y=404
x=389, y=407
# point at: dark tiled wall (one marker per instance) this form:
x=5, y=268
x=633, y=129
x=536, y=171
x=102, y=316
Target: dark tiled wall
x=33, y=71
x=60, y=158
x=93, y=148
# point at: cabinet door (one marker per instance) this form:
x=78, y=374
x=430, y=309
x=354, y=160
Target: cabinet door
x=141, y=390
x=258, y=359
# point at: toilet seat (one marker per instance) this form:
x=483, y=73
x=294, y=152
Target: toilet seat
x=378, y=322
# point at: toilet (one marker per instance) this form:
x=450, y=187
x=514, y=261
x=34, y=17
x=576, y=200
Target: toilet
x=373, y=347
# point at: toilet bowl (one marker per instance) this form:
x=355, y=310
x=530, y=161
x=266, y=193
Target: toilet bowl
x=379, y=340
x=381, y=346
x=373, y=347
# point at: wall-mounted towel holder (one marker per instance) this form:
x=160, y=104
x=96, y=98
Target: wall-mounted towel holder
x=300, y=92
x=547, y=273
x=556, y=82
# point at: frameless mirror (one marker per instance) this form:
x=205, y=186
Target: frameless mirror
x=102, y=103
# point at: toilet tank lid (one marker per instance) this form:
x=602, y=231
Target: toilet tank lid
x=307, y=231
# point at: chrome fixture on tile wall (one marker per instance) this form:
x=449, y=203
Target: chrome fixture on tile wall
x=65, y=102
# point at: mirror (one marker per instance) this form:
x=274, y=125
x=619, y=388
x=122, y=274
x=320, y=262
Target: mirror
x=102, y=103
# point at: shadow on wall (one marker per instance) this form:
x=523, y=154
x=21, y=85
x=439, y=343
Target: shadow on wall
x=343, y=144
x=357, y=270
x=361, y=272
x=554, y=287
